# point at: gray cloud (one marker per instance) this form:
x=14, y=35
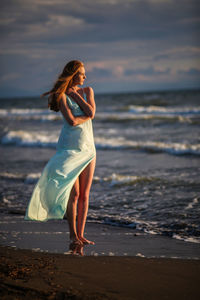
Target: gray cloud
x=115, y=38
x=191, y=72
x=119, y=20
x=148, y=71
x=99, y=72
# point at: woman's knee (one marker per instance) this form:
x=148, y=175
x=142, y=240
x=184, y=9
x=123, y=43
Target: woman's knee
x=84, y=197
x=74, y=195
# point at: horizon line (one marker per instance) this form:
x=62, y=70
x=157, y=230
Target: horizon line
x=120, y=92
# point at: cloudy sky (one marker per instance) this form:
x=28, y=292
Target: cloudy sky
x=126, y=45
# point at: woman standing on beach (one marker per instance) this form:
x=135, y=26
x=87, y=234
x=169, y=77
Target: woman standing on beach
x=65, y=182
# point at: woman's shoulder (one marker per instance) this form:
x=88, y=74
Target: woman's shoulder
x=88, y=90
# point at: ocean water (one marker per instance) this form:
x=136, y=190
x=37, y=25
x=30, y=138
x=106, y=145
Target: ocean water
x=148, y=159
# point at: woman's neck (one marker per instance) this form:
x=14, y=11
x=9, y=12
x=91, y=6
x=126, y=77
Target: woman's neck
x=75, y=88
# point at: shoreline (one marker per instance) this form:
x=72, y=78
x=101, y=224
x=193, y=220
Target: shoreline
x=53, y=237
x=36, y=275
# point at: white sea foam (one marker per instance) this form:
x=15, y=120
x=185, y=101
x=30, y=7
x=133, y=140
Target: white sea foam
x=31, y=138
x=140, y=255
x=6, y=201
x=122, y=116
x=13, y=233
x=186, y=239
x=192, y=203
x=134, y=112
x=154, y=146
x=118, y=179
x=164, y=110
x=113, y=180
x=32, y=178
x=93, y=253
x=11, y=175
x=30, y=114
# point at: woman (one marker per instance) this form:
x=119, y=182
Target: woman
x=66, y=180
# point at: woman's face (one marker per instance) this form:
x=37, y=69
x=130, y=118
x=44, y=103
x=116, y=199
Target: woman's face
x=79, y=78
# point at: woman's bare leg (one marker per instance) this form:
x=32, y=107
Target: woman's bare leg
x=71, y=212
x=85, y=182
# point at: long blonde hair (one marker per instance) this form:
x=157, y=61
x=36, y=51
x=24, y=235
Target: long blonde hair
x=64, y=81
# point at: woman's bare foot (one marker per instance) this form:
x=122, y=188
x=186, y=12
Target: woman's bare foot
x=76, y=249
x=85, y=241
x=75, y=241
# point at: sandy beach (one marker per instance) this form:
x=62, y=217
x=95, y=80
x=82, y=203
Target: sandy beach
x=37, y=262
x=35, y=275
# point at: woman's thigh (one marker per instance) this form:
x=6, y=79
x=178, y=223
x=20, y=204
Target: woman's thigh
x=85, y=179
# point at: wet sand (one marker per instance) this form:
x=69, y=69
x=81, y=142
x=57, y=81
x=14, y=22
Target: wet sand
x=36, y=262
x=53, y=236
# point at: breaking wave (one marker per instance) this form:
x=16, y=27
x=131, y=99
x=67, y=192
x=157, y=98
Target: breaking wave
x=44, y=139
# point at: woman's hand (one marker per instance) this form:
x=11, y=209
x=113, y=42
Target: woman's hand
x=87, y=106
x=69, y=117
x=74, y=94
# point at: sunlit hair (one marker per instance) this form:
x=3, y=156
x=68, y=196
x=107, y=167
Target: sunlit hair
x=64, y=81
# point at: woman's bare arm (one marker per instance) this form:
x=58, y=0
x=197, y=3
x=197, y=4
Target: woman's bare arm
x=88, y=106
x=69, y=117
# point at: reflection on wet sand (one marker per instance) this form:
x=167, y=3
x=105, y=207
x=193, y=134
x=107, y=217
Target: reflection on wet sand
x=76, y=249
